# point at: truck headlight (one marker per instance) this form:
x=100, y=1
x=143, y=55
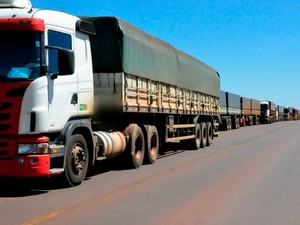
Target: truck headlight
x=41, y=148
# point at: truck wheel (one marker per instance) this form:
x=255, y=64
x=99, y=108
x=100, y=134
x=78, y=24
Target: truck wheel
x=195, y=143
x=229, y=124
x=198, y=135
x=203, y=129
x=237, y=123
x=234, y=124
x=136, y=145
x=77, y=160
x=209, y=133
x=152, y=144
x=225, y=125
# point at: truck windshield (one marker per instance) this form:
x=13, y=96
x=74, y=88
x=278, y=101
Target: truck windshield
x=264, y=107
x=20, y=55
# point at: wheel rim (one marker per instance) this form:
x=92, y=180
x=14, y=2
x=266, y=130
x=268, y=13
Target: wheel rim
x=78, y=159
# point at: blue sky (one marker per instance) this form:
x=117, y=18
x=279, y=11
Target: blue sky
x=254, y=45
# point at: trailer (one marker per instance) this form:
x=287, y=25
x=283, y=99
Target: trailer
x=79, y=89
x=250, y=109
x=255, y=111
x=230, y=110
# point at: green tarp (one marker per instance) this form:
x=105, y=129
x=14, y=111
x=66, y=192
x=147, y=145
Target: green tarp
x=121, y=47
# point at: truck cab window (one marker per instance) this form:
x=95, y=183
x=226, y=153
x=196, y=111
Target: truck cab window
x=20, y=55
x=57, y=39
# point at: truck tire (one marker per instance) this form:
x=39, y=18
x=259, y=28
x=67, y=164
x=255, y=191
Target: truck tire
x=209, y=133
x=77, y=160
x=195, y=143
x=229, y=123
x=225, y=125
x=234, y=124
x=136, y=145
x=152, y=144
x=237, y=123
x=203, y=129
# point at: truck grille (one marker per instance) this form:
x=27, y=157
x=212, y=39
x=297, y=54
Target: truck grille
x=11, y=96
x=3, y=145
x=7, y=147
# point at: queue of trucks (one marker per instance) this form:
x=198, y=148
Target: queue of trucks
x=75, y=90
x=237, y=111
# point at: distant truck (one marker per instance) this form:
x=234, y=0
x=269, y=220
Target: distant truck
x=268, y=112
x=250, y=109
x=279, y=113
x=295, y=113
x=287, y=113
x=230, y=110
x=76, y=90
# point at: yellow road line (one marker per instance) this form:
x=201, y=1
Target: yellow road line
x=227, y=149
x=44, y=218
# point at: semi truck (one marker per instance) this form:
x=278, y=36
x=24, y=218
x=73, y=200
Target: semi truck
x=279, y=114
x=268, y=112
x=79, y=89
x=230, y=110
x=250, y=109
x=287, y=113
x=295, y=113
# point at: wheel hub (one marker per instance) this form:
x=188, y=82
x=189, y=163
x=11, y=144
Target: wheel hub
x=78, y=155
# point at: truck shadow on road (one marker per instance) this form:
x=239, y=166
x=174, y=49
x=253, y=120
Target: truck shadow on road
x=122, y=163
x=23, y=187
x=19, y=187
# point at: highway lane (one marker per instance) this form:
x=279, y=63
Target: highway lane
x=248, y=176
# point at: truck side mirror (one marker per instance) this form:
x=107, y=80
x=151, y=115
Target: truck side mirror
x=61, y=61
x=66, y=62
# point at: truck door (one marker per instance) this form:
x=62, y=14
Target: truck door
x=62, y=89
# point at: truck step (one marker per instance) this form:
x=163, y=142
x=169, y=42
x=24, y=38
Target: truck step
x=101, y=158
x=56, y=171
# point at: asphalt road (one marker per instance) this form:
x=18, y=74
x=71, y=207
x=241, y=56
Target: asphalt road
x=249, y=176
